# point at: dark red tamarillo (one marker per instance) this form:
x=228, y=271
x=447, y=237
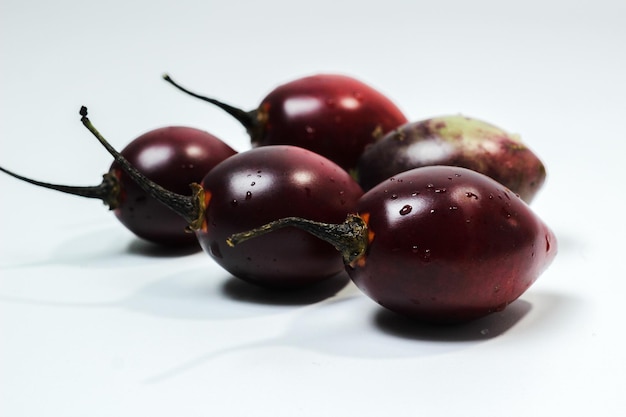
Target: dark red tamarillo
x=330, y=114
x=174, y=157
x=454, y=140
x=439, y=244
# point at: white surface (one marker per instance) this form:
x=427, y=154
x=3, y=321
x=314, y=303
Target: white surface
x=95, y=323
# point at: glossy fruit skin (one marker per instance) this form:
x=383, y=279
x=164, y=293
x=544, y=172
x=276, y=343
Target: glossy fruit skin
x=334, y=115
x=449, y=245
x=265, y=184
x=173, y=157
x=454, y=140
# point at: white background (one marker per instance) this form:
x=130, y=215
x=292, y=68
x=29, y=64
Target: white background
x=94, y=322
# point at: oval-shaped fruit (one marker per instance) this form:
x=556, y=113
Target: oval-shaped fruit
x=333, y=115
x=173, y=157
x=447, y=244
x=454, y=140
x=265, y=184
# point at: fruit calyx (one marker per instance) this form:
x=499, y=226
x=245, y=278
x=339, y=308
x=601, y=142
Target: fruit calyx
x=351, y=237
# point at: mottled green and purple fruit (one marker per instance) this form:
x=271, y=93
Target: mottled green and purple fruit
x=454, y=140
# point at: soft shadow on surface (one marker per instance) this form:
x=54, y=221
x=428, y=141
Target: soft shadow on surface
x=483, y=328
x=103, y=248
x=200, y=295
x=142, y=247
x=354, y=326
x=239, y=290
x=187, y=294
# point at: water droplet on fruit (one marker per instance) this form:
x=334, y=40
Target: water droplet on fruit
x=414, y=193
x=414, y=249
x=432, y=211
x=405, y=210
x=234, y=203
x=453, y=208
x=310, y=131
x=470, y=194
x=248, y=195
x=490, y=196
x=484, y=332
x=394, y=196
x=440, y=190
x=252, y=184
x=426, y=256
x=430, y=186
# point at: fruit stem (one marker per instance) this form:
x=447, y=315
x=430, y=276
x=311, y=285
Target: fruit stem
x=108, y=190
x=350, y=237
x=191, y=208
x=247, y=118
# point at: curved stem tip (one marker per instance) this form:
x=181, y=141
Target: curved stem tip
x=108, y=190
x=191, y=208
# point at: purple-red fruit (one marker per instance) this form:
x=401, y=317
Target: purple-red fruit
x=265, y=184
x=449, y=245
x=439, y=244
x=457, y=141
x=333, y=115
x=173, y=156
